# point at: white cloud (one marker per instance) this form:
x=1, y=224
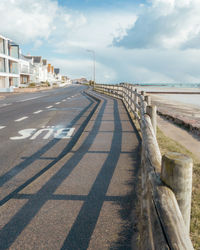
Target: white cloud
x=166, y=24
x=27, y=20
x=94, y=30
x=149, y=43
x=84, y=68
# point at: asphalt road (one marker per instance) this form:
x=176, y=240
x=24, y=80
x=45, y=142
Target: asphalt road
x=69, y=171
x=35, y=129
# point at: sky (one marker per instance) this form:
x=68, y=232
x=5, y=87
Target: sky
x=135, y=41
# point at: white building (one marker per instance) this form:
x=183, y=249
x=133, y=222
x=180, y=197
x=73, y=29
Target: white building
x=51, y=74
x=27, y=70
x=9, y=65
x=38, y=68
x=44, y=70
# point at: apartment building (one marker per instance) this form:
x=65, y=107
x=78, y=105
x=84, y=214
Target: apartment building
x=27, y=70
x=9, y=64
x=44, y=70
x=51, y=74
x=38, y=68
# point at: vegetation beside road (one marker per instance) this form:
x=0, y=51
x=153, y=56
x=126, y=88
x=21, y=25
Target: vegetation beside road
x=166, y=144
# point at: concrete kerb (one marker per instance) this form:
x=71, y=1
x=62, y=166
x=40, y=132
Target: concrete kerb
x=92, y=95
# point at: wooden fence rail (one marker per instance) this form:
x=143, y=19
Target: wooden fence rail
x=165, y=205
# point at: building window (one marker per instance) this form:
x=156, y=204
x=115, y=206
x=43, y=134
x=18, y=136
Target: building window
x=2, y=46
x=2, y=65
x=13, y=67
x=2, y=82
x=13, y=50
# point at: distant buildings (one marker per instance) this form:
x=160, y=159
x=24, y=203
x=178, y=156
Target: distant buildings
x=18, y=70
x=80, y=81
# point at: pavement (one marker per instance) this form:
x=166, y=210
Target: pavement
x=79, y=193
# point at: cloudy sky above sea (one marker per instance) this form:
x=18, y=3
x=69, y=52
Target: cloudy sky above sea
x=151, y=41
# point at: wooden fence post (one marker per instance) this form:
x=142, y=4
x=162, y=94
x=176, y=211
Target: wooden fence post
x=147, y=99
x=152, y=112
x=130, y=95
x=132, y=98
x=143, y=103
x=176, y=173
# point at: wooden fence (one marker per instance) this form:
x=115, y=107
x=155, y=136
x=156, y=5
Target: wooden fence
x=165, y=214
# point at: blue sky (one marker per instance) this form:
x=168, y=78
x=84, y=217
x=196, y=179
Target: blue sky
x=104, y=4
x=134, y=41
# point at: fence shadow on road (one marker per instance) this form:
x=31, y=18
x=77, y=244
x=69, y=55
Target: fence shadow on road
x=82, y=229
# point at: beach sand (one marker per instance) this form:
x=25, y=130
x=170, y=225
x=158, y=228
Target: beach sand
x=184, y=114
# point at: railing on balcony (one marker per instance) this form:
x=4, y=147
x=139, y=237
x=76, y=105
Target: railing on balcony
x=24, y=69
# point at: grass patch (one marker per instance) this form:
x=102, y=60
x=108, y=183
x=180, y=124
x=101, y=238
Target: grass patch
x=166, y=144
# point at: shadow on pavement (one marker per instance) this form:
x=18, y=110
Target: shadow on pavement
x=83, y=227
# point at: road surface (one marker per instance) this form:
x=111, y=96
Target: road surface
x=69, y=171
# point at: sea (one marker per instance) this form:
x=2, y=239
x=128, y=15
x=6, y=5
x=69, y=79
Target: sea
x=191, y=99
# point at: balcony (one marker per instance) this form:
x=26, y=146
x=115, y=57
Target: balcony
x=13, y=50
x=2, y=46
x=13, y=67
x=24, y=69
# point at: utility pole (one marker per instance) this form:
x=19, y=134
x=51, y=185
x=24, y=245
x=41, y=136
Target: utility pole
x=93, y=53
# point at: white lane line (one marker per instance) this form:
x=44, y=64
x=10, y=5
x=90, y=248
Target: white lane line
x=21, y=119
x=69, y=98
x=37, y=112
x=5, y=105
x=64, y=100
x=1, y=127
x=30, y=98
x=49, y=107
x=57, y=103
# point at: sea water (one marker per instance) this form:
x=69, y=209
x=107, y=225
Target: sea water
x=192, y=99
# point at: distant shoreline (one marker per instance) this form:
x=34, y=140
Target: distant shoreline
x=173, y=92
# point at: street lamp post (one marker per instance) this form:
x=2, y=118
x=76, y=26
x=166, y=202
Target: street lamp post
x=93, y=52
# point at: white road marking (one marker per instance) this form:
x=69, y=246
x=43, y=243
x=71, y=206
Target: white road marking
x=57, y=103
x=64, y=100
x=37, y=112
x=30, y=98
x=49, y=107
x=5, y=105
x=64, y=133
x=25, y=133
x=1, y=127
x=44, y=133
x=48, y=134
x=21, y=119
x=69, y=98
